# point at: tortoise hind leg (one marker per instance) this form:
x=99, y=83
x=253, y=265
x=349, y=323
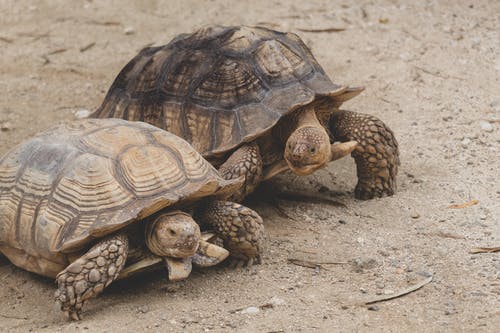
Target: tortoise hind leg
x=87, y=276
x=247, y=162
x=377, y=153
x=241, y=229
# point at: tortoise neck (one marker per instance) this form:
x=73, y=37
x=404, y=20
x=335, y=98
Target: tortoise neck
x=303, y=117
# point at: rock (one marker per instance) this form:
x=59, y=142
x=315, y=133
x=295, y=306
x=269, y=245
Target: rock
x=363, y=263
x=342, y=221
x=129, y=31
x=6, y=126
x=415, y=215
x=373, y=308
x=143, y=309
x=363, y=290
x=250, y=310
x=465, y=142
x=486, y=126
x=83, y=113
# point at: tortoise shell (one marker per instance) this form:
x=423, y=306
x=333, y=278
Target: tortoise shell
x=86, y=179
x=220, y=86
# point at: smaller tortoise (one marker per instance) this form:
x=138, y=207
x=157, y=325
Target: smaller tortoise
x=92, y=199
x=254, y=102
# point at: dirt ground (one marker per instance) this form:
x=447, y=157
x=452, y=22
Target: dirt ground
x=431, y=72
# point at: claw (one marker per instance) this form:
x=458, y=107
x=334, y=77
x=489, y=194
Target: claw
x=240, y=263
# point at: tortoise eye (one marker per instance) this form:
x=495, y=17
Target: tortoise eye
x=312, y=150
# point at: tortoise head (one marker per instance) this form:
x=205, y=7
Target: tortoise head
x=173, y=234
x=307, y=149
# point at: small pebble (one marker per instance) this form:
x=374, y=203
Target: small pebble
x=275, y=301
x=388, y=292
x=415, y=215
x=250, y=310
x=363, y=290
x=7, y=126
x=129, y=31
x=373, y=308
x=342, y=221
x=465, y=142
x=360, y=264
x=83, y=113
x=497, y=65
x=486, y=126
x=476, y=41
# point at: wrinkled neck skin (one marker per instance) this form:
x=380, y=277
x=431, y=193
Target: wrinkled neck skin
x=316, y=113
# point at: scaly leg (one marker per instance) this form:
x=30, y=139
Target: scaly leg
x=376, y=156
x=240, y=228
x=90, y=274
x=247, y=162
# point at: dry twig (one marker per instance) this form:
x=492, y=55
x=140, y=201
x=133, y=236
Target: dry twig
x=485, y=249
x=400, y=293
x=13, y=317
x=105, y=23
x=87, y=47
x=61, y=50
x=464, y=205
x=443, y=235
x=321, y=30
x=6, y=40
x=314, y=264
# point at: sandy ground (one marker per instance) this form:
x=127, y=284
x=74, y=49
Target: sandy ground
x=431, y=72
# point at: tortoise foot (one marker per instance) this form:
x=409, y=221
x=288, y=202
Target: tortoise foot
x=246, y=162
x=241, y=229
x=90, y=274
x=374, y=189
x=235, y=262
x=376, y=155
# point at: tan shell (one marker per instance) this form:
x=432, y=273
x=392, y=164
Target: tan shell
x=85, y=179
x=220, y=86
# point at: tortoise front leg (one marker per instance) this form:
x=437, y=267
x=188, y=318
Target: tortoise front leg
x=241, y=229
x=376, y=156
x=90, y=274
x=246, y=162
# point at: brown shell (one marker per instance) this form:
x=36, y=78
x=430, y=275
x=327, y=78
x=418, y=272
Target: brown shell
x=220, y=86
x=85, y=179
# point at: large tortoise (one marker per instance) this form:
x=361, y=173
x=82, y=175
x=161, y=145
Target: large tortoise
x=250, y=99
x=85, y=199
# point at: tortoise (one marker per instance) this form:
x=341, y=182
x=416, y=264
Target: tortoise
x=89, y=199
x=254, y=102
